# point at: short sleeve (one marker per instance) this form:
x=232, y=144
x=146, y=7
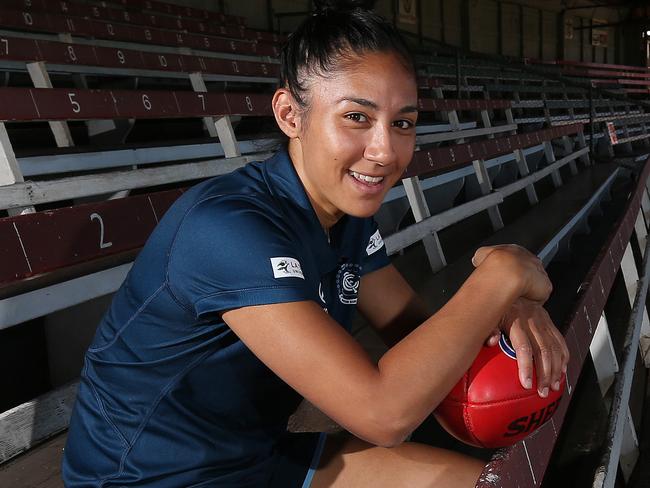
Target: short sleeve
x=230, y=253
x=374, y=256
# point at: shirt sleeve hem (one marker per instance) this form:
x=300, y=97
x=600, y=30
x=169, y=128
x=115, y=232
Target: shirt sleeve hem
x=226, y=300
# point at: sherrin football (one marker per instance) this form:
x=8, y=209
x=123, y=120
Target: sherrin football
x=488, y=407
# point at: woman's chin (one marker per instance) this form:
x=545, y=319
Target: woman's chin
x=363, y=211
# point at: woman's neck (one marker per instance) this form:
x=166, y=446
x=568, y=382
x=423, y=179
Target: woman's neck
x=327, y=219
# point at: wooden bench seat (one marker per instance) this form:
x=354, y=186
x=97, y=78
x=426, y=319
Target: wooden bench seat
x=218, y=25
x=75, y=54
x=79, y=26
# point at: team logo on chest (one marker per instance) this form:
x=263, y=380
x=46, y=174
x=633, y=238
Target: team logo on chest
x=347, y=283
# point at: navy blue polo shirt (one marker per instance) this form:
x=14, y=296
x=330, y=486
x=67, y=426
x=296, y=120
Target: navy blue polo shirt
x=169, y=396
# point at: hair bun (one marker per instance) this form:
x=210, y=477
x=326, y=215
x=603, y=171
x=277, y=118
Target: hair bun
x=322, y=6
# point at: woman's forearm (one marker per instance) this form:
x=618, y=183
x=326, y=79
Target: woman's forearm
x=417, y=373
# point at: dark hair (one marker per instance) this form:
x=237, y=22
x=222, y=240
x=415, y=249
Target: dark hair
x=338, y=30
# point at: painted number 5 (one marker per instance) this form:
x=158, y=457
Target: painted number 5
x=102, y=244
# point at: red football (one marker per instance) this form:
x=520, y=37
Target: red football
x=488, y=407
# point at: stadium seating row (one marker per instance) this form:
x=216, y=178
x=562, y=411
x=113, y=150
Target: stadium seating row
x=61, y=257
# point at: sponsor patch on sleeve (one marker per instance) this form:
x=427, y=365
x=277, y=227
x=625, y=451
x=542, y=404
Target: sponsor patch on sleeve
x=375, y=243
x=286, y=268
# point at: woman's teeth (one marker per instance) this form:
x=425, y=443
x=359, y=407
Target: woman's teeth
x=373, y=180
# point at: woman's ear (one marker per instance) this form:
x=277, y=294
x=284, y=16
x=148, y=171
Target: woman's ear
x=286, y=112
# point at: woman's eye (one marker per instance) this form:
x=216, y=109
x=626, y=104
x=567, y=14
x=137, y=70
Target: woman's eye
x=403, y=124
x=356, y=117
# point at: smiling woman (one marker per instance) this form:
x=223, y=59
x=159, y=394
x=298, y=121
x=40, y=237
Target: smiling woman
x=239, y=305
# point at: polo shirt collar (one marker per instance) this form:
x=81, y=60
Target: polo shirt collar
x=284, y=183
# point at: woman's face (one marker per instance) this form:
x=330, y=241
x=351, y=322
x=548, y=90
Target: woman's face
x=358, y=136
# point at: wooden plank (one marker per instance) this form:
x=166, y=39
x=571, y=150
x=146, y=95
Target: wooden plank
x=25, y=104
x=25, y=425
x=414, y=233
x=248, y=104
x=67, y=236
x=36, y=192
x=161, y=201
x=17, y=309
x=15, y=263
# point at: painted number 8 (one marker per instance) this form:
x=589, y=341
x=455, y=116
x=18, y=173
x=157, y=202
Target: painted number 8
x=249, y=104
x=73, y=55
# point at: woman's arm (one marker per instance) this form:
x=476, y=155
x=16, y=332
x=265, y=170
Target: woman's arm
x=382, y=403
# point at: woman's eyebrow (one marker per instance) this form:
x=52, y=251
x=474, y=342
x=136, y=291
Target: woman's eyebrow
x=408, y=109
x=369, y=103
x=361, y=101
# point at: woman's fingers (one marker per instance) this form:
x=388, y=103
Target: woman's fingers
x=539, y=346
x=524, y=351
x=563, y=348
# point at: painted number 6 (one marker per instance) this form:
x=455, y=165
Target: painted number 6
x=146, y=102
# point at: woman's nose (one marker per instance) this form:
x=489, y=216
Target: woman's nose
x=380, y=149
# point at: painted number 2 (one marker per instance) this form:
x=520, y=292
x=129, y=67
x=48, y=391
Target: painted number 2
x=102, y=244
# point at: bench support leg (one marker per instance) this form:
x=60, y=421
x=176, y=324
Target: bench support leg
x=41, y=79
x=524, y=171
x=603, y=355
x=640, y=229
x=550, y=159
x=421, y=211
x=582, y=143
x=631, y=276
x=9, y=170
x=645, y=206
x=568, y=148
x=227, y=137
x=486, y=188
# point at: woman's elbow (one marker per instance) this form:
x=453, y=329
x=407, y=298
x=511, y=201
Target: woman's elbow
x=385, y=430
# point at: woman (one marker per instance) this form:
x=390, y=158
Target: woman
x=238, y=305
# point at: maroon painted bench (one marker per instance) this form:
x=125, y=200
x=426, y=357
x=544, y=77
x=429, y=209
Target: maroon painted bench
x=41, y=242
x=442, y=159
x=178, y=10
x=160, y=21
x=30, y=104
x=595, y=73
x=54, y=52
x=79, y=26
x=587, y=65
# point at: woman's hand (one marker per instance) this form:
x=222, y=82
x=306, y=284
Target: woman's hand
x=520, y=264
x=538, y=345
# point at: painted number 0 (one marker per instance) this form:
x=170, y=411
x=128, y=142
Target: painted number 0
x=102, y=244
x=5, y=43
